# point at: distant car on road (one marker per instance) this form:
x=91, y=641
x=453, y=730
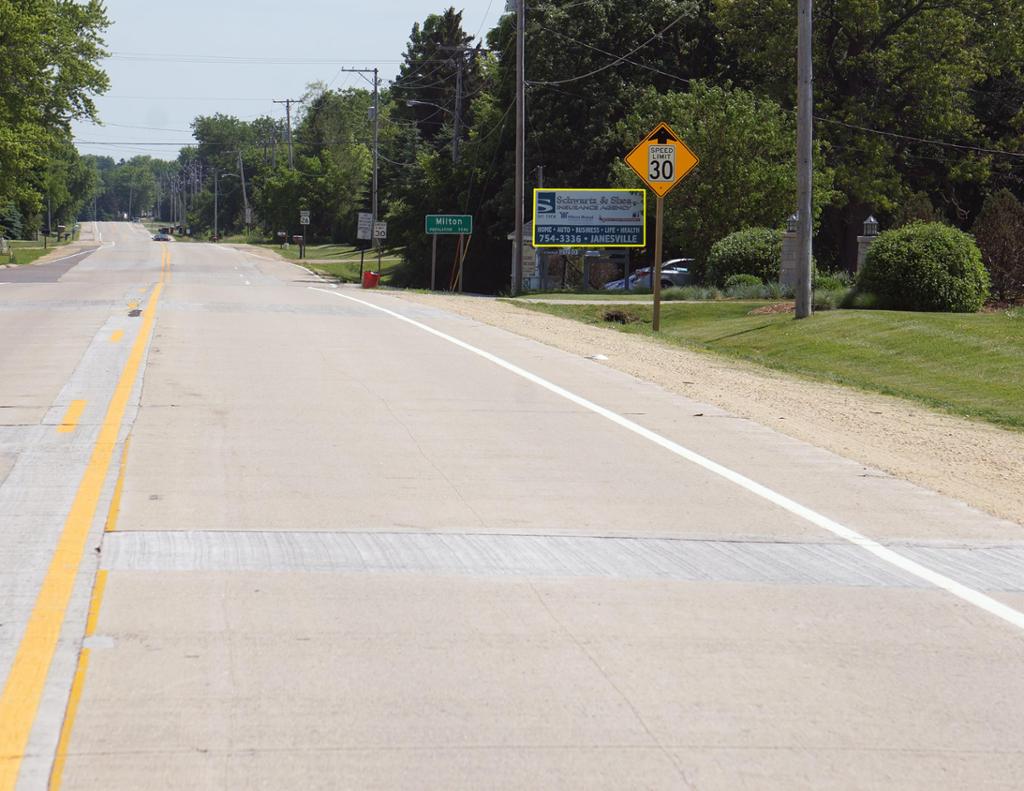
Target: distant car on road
x=676, y=272
x=162, y=237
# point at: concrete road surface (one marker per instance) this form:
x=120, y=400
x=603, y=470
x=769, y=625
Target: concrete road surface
x=257, y=532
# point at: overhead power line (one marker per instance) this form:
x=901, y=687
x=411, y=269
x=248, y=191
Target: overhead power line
x=484, y=20
x=107, y=124
x=166, y=57
x=162, y=98
x=129, y=143
x=924, y=140
x=618, y=59
x=871, y=130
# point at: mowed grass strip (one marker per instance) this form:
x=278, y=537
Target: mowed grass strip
x=967, y=364
x=348, y=271
x=28, y=252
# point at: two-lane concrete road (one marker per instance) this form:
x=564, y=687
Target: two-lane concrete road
x=258, y=532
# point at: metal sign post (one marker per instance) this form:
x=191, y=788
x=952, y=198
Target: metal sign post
x=364, y=231
x=662, y=160
x=462, y=259
x=303, y=221
x=433, y=264
x=380, y=233
x=659, y=216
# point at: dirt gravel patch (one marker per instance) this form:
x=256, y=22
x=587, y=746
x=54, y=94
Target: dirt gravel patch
x=975, y=462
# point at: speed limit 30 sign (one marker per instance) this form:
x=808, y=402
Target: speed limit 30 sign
x=662, y=159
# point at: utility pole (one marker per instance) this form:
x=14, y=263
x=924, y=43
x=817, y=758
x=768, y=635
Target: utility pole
x=245, y=195
x=376, y=147
x=216, y=198
x=517, y=261
x=288, y=112
x=804, y=156
x=457, y=123
x=459, y=54
x=376, y=158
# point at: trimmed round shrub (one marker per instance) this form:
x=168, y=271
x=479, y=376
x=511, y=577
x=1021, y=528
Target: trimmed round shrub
x=925, y=266
x=734, y=281
x=752, y=251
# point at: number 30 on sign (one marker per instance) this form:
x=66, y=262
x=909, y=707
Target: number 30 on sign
x=662, y=159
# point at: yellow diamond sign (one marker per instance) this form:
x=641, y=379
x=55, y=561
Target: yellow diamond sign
x=662, y=159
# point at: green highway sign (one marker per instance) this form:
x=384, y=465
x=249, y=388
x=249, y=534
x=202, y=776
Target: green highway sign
x=449, y=223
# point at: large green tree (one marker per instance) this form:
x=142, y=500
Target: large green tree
x=427, y=86
x=49, y=72
x=335, y=133
x=747, y=173
x=888, y=74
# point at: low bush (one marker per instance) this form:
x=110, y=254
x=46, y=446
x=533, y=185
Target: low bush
x=830, y=298
x=742, y=280
x=925, y=266
x=690, y=294
x=752, y=251
x=778, y=291
x=860, y=300
x=832, y=281
x=748, y=291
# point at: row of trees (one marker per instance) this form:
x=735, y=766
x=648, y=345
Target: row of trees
x=919, y=115
x=49, y=53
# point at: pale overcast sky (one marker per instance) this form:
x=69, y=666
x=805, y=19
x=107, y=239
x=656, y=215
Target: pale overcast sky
x=157, y=87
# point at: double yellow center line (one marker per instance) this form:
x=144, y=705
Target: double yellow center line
x=23, y=690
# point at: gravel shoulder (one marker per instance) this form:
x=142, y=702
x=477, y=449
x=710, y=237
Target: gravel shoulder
x=977, y=463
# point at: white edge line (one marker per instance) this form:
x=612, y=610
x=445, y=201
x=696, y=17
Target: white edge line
x=961, y=591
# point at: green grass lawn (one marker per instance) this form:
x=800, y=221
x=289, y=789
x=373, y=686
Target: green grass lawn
x=968, y=364
x=340, y=261
x=335, y=253
x=25, y=252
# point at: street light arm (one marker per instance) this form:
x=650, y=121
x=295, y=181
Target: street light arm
x=415, y=102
